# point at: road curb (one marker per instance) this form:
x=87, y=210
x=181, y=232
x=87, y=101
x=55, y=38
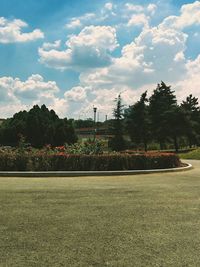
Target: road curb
x=89, y=173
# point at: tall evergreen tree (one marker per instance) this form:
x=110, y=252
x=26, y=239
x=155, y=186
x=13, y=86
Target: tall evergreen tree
x=137, y=121
x=176, y=125
x=117, y=143
x=161, y=104
x=192, y=120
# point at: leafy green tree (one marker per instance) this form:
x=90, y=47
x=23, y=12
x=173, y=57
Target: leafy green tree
x=191, y=110
x=161, y=106
x=177, y=120
x=39, y=126
x=117, y=143
x=137, y=121
x=64, y=133
x=84, y=123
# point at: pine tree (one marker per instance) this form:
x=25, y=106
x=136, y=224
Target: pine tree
x=117, y=143
x=161, y=105
x=191, y=110
x=137, y=121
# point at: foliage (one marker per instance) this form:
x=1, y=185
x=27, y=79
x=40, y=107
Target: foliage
x=83, y=123
x=90, y=147
x=191, y=110
x=161, y=104
x=117, y=143
x=149, y=122
x=39, y=126
x=160, y=120
x=138, y=122
x=59, y=160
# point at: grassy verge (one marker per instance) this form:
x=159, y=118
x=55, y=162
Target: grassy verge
x=146, y=220
x=195, y=154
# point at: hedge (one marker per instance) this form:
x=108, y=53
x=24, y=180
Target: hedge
x=71, y=162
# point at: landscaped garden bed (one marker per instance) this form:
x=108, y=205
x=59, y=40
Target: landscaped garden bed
x=54, y=160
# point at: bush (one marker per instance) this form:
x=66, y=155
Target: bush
x=87, y=148
x=72, y=162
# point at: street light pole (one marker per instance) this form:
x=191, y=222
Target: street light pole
x=95, y=116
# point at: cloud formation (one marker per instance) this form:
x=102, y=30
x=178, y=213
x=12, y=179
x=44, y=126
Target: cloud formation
x=16, y=94
x=158, y=53
x=91, y=48
x=154, y=49
x=11, y=32
x=139, y=20
x=189, y=15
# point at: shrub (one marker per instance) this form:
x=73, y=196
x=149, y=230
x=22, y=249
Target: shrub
x=87, y=148
x=76, y=162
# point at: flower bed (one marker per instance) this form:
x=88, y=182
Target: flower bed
x=61, y=161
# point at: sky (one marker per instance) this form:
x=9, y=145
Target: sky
x=73, y=55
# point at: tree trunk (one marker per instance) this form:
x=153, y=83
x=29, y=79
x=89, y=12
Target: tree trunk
x=161, y=145
x=145, y=146
x=176, y=144
x=190, y=141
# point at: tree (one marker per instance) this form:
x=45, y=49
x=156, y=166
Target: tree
x=191, y=110
x=64, y=133
x=137, y=121
x=176, y=126
x=84, y=123
x=39, y=126
x=161, y=104
x=117, y=143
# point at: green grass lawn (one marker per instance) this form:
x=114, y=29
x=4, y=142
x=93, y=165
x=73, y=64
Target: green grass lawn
x=195, y=154
x=146, y=220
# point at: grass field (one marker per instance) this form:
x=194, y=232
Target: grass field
x=195, y=154
x=147, y=220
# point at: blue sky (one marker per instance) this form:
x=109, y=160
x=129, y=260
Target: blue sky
x=72, y=55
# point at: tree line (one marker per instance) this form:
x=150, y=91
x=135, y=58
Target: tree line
x=159, y=119
x=39, y=126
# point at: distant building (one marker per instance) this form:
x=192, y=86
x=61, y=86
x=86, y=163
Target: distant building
x=90, y=132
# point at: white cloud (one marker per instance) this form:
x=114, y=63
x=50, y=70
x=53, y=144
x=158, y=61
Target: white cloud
x=74, y=23
x=56, y=44
x=158, y=53
x=78, y=22
x=138, y=20
x=6, y=92
x=151, y=8
x=76, y=94
x=34, y=88
x=151, y=57
x=109, y=6
x=134, y=8
x=87, y=16
x=11, y=31
x=179, y=57
x=16, y=95
x=102, y=98
x=191, y=82
x=91, y=48
x=190, y=15
x=193, y=66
